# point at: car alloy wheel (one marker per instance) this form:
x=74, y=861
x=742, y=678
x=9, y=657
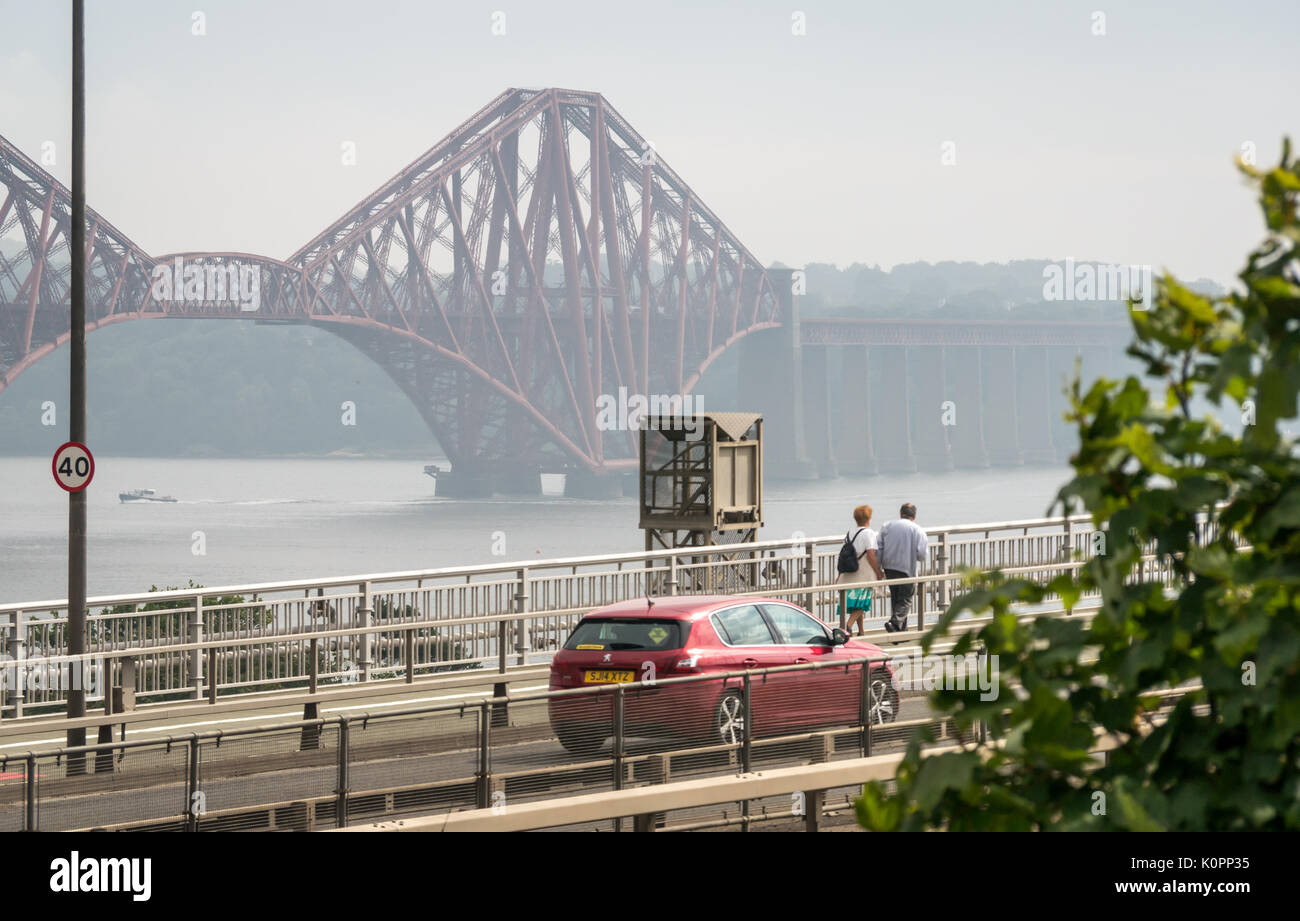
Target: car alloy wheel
x=884, y=700
x=729, y=719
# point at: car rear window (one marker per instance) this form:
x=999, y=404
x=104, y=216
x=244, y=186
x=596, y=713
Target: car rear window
x=611, y=633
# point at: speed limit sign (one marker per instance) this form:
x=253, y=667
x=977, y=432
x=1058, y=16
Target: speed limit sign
x=73, y=466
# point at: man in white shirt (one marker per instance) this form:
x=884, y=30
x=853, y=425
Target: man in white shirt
x=902, y=546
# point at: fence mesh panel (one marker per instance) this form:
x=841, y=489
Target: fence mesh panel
x=13, y=795
x=542, y=749
x=284, y=779
x=611, y=737
x=141, y=787
x=413, y=765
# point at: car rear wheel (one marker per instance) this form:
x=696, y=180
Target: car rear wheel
x=884, y=699
x=579, y=740
x=729, y=719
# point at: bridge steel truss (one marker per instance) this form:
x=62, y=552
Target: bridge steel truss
x=35, y=277
x=538, y=257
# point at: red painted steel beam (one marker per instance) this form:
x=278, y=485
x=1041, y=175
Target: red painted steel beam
x=679, y=355
x=569, y=258
x=537, y=299
x=413, y=252
x=717, y=352
x=482, y=377
x=34, y=276
x=713, y=292
x=484, y=300
x=117, y=286
x=378, y=268
x=4, y=209
x=345, y=279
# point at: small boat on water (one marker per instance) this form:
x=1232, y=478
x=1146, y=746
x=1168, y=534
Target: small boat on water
x=143, y=495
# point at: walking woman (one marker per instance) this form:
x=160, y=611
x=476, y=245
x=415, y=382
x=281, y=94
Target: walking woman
x=865, y=542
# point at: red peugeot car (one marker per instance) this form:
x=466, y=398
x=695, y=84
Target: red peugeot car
x=639, y=642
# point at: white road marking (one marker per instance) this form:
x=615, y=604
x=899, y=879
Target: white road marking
x=269, y=716
x=31, y=742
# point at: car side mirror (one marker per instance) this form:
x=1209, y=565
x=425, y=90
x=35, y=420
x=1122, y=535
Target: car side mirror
x=839, y=637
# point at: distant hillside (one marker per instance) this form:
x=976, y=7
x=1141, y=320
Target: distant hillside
x=211, y=388
x=1012, y=291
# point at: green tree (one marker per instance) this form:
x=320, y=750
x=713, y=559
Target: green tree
x=445, y=649
x=168, y=627
x=1227, y=756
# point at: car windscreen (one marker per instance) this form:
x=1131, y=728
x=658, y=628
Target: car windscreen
x=611, y=633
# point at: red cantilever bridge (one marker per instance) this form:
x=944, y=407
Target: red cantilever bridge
x=540, y=255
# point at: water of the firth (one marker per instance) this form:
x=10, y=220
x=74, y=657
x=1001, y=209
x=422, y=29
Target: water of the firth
x=269, y=520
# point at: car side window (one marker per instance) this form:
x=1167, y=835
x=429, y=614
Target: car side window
x=743, y=626
x=796, y=627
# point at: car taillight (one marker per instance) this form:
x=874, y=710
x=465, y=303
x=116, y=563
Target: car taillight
x=687, y=665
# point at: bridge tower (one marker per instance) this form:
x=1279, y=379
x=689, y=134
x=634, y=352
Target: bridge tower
x=539, y=261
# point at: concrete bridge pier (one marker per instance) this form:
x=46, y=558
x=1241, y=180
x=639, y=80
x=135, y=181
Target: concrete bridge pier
x=583, y=484
x=1060, y=371
x=481, y=480
x=932, y=409
x=964, y=376
x=518, y=481
x=1001, y=406
x=1034, y=399
x=771, y=382
x=855, y=453
x=891, y=408
x=467, y=483
x=819, y=427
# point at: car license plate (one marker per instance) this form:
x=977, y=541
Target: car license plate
x=607, y=676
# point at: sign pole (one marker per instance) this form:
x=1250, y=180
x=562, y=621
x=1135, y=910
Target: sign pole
x=77, y=386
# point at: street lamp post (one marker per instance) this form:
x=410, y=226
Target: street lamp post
x=77, y=386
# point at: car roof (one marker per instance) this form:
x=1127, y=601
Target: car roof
x=677, y=607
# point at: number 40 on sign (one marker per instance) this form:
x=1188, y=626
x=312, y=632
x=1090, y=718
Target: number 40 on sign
x=73, y=466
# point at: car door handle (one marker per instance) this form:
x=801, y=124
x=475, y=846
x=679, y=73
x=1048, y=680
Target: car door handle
x=800, y=661
x=750, y=663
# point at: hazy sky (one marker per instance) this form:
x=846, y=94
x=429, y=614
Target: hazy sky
x=822, y=147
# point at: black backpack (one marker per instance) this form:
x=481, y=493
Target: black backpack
x=848, y=561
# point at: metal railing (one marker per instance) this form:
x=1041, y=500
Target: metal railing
x=331, y=768
x=216, y=641
x=324, y=773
